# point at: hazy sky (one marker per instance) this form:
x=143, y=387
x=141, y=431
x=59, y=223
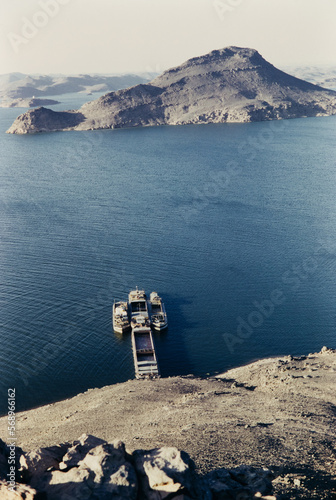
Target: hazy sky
x=117, y=36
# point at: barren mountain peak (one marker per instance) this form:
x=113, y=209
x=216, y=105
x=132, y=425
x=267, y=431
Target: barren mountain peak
x=232, y=84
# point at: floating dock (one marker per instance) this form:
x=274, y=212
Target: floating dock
x=145, y=362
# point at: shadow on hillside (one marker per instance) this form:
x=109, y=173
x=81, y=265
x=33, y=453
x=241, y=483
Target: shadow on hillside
x=303, y=482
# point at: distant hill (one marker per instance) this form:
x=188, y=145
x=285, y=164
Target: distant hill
x=229, y=85
x=20, y=86
x=7, y=79
x=325, y=76
x=27, y=103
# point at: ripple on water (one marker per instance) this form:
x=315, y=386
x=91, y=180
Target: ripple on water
x=142, y=208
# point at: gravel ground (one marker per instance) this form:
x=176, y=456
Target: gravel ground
x=278, y=413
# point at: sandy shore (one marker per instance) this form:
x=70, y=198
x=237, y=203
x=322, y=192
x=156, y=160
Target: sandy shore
x=278, y=413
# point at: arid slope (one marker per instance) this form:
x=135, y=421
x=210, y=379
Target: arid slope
x=229, y=85
x=278, y=413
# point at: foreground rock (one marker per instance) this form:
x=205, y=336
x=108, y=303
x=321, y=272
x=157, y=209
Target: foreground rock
x=92, y=469
x=89, y=468
x=167, y=470
x=228, y=85
x=277, y=414
x=242, y=482
x=21, y=491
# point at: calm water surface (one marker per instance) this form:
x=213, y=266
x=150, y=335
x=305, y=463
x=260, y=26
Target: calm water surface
x=218, y=219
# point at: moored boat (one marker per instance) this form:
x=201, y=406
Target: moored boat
x=120, y=317
x=140, y=324
x=136, y=314
x=145, y=362
x=158, y=314
x=138, y=307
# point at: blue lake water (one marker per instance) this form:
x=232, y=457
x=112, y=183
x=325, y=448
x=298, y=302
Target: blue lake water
x=233, y=224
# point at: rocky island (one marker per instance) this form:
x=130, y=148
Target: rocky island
x=229, y=85
x=31, y=102
x=262, y=431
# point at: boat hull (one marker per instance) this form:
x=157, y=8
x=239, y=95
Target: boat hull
x=158, y=312
x=120, y=319
x=159, y=327
x=120, y=329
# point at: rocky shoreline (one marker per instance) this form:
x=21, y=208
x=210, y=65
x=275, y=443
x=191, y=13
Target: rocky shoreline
x=276, y=415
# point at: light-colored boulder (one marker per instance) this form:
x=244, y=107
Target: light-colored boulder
x=327, y=350
x=79, y=449
x=36, y=463
x=113, y=473
x=163, y=471
x=74, y=484
x=22, y=491
x=103, y=472
x=103, y=458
